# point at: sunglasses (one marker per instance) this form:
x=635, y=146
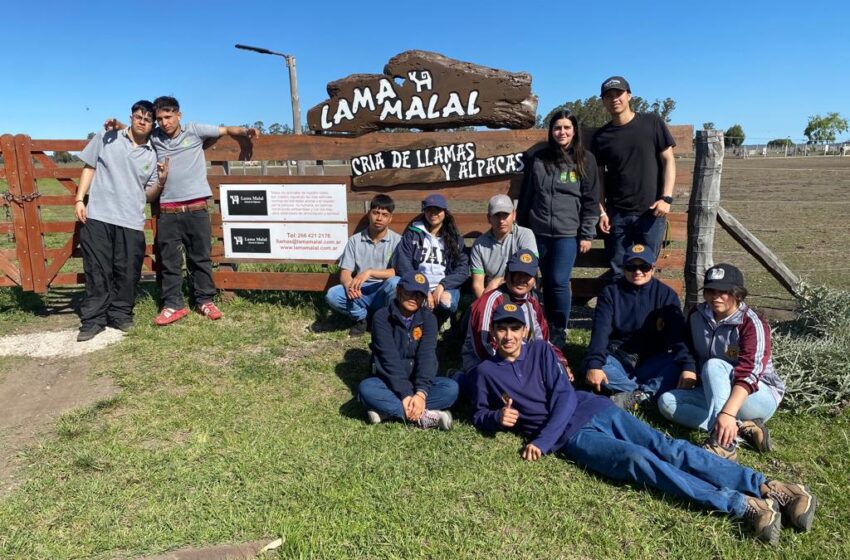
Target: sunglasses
x=643, y=267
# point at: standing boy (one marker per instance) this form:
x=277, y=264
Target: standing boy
x=366, y=282
x=120, y=177
x=634, y=152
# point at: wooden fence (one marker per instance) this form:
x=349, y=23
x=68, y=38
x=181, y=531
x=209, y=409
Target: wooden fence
x=36, y=266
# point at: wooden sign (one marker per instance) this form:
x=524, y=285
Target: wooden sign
x=429, y=91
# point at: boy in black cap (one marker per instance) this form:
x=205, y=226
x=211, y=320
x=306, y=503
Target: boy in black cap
x=634, y=152
x=404, y=361
x=522, y=389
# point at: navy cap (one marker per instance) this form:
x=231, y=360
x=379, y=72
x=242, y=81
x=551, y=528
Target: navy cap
x=414, y=281
x=436, y=200
x=639, y=252
x=509, y=312
x=723, y=277
x=615, y=82
x=523, y=261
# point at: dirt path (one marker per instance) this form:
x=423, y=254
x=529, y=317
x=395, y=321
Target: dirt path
x=37, y=390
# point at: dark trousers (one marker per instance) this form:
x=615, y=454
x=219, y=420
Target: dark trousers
x=112, y=261
x=626, y=230
x=189, y=231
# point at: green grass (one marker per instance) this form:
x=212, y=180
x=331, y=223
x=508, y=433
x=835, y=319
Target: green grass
x=227, y=432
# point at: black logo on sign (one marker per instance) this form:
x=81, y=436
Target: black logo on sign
x=247, y=203
x=250, y=240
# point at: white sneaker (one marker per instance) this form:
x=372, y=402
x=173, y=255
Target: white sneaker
x=436, y=419
x=374, y=417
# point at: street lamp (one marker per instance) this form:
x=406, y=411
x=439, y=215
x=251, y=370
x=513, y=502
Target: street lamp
x=293, y=90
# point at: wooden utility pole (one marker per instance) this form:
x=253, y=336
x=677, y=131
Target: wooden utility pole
x=702, y=211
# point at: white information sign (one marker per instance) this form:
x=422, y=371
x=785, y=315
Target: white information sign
x=252, y=240
x=284, y=203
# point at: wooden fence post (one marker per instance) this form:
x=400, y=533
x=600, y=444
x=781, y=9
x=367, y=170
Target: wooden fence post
x=702, y=211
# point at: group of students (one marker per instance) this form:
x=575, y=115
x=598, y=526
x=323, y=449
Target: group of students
x=711, y=370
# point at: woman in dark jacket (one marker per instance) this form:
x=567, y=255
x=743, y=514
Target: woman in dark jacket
x=559, y=202
x=404, y=361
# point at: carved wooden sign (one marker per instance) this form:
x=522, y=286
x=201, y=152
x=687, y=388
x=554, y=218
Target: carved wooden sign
x=426, y=162
x=429, y=91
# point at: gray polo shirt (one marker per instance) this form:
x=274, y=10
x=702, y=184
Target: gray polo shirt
x=122, y=171
x=489, y=256
x=361, y=253
x=187, y=172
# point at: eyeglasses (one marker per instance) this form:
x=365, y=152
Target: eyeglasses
x=142, y=119
x=643, y=267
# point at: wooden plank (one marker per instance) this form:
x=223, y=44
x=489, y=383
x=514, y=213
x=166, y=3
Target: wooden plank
x=35, y=243
x=768, y=259
x=6, y=227
x=10, y=270
x=59, y=145
x=6, y=282
x=19, y=222
x=56, y=200
x=58, y=172
x=61, y=256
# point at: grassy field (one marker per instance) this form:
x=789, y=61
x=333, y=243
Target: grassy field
x=230, y=431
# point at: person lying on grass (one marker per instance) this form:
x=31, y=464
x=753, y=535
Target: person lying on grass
x=522, y=389
x=404, y=361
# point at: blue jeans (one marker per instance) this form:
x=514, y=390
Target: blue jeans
x=375, y=395
x=698, y=407
x=626, y=230
x=617, y=445
x=653, y=376
x=374, y=296
x=557, y=257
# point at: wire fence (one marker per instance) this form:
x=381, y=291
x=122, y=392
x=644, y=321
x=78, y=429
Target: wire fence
x=783, y=148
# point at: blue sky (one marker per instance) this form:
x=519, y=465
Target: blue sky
x=765, y=65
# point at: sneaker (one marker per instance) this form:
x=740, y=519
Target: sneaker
x=630, y=401
x=436, y=419
x=169, y=315
x=88, y=334
x=730, y=452
x=763, y=517
x=123, y=326
x=374, y=417
x=358, y=329
x=209, y=310
x=755, y=433
x=796, y=502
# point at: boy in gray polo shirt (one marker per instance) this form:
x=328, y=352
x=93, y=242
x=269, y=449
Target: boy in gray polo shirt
x=120, y=177
x=366, y=282
x=491, y=251
x=183, y=221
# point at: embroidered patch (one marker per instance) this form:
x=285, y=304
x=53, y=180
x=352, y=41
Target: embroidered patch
x=659, y=324
x=510, y=307
x=525, y=258
x=416, y=333
x=732, y=352
x=573, y=177
x=563, y=176
x=420, y=278
x=716, y=274
x=638, y=249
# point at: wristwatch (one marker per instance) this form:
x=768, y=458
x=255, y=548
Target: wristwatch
x=667, y=199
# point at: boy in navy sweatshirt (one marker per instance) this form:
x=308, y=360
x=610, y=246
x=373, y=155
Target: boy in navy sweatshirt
x=522, y=389
x=637, y=347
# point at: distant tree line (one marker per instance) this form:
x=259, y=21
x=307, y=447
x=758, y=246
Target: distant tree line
x=591, y=113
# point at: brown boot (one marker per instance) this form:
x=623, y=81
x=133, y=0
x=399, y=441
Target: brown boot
x=796, y=502
x=730, y=452
x=756, y=434
x=763, y=517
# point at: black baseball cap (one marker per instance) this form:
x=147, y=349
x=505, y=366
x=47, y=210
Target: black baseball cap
x=614, y=82
x=723, y=277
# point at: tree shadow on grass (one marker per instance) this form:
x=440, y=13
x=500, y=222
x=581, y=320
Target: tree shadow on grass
x=353, y=368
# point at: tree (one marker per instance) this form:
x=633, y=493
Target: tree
x=780, y=143
x=277, y=128
x=64, y=157
x=734, y=136
x=708, y=126
x=823, y=130
x=591, y=113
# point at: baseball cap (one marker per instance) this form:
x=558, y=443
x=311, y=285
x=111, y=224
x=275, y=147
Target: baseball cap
x=523, y=261
x=723, y=277
x=509, y=312
x=615, y=82
x=640, y=252
x=436, y=200
x=500, y=203
x=414, y=281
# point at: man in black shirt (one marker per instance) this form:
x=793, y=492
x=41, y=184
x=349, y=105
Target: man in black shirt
x=635, y=156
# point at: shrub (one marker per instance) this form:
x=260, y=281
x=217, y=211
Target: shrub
x=812, y=352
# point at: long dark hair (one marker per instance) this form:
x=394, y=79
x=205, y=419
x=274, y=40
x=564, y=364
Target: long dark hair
x=448, y=231
x=553, y=155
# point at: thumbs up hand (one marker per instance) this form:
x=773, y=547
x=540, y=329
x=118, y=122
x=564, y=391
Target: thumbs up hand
x=507, y=414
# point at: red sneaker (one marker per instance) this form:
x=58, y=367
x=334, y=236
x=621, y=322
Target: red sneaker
x=209, y=310
x=169, y=315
